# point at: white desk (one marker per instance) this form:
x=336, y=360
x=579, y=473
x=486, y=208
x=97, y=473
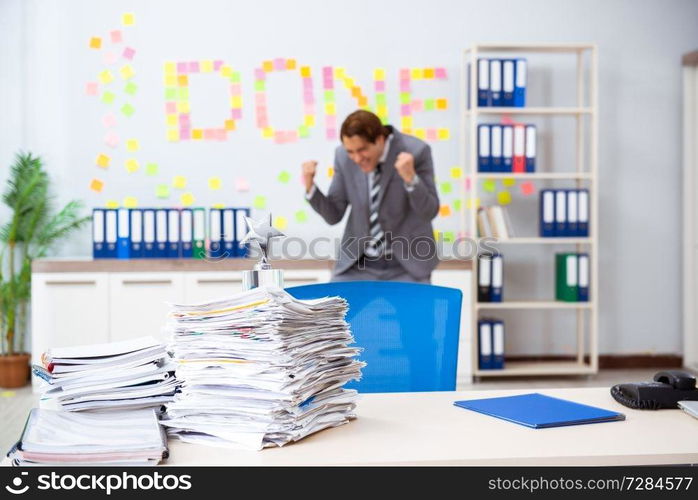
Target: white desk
x=426, y=429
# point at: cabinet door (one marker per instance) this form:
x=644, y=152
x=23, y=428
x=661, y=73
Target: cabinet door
x=68, y=309
x=138, y=303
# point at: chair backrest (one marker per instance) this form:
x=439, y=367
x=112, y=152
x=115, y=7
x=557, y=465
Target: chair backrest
x=408, y=332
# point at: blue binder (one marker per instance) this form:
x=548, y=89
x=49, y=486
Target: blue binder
x=174, y=239
x=240, y=231
x=160, y=233
x=123, y=240
x=149, y=233
x=583, y=212
x=186, y=231
x=560, y=213
x=497, y=344
x=508, y=70
x=520, y=83
x=215, y=232
x=507, y=148
x=496, y=163
x=229, y=246
x=484, y=328
x=110, y=233
x=136, y=220
x=583, y=277
x=496, y=81
x=483, y=83
x=547, y=213
x=98, y=246
x=497, y=278
x=530, y=148
x=540, y=411
x=572, y=212
x=483, y=150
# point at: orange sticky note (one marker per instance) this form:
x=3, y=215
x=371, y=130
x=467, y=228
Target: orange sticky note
x=95, y=42
x=96, y=185
x=268, y=66
x=441, y=103
x=445, y=211
x=428, y=73
x=182, y=80
x=290, y=64
x=527, y=188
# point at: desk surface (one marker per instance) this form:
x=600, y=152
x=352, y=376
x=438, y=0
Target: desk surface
x=426, y=429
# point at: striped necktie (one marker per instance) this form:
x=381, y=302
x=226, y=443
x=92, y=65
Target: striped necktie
x=375, y=245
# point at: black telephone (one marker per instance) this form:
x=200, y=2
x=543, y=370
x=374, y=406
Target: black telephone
x=668, y=388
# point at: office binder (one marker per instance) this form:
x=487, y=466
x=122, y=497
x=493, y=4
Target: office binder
x=229, y=250
x=540, y=411
x=149, y=251
x=160, y=233
x=547, y=213
x=483, y=83
x=240, y=231
x=566, y=268
x=496, y=164
x=497, y=344
x=174, y=239
x=123, y=240
x=136, y=216
x=497, y=278
x=519, y=162
x=583, y=212
x=215, y=229
x=530, y=148
x=186, y=233
x=483, y=151
x=508, y=69
x=507, y=148
x=110, y=233
x=520, y=84
x=496, y=82
x=485, y=344
x=98, y=246
x=199, y=233
x=572, y=213
x=484, y=278
x=560, y=212
x=583, y=278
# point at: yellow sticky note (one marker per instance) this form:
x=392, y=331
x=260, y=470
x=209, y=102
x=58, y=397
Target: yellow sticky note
x=226, y=71
x=95, y=42
x=443, y=134
x=281, y=223
x=170, y=68
x=182, y=80
x=259, y=202
x=330, y=172
x=509, y=181
x=187, y=199
x=130, y=202
x=268, y=66
x=382, y=110
x=133, y=145
x=309, y=120
x=103, y=160
x=305, y=71
x=441, y=103
x=291, y=64
x=171, y=120
x=128, y=19
x=416, y=73
x=214, y=183
x=339, y=72
x=456, y=172
x=170, y=80
x=206, y=66
x=428, y=73
x=230, y=125
x=7, y=394
x=236, y=101
x=197, y=134
x=219, y=205
x=96, y=185
x=406, y=122
x=173, y=135
x=420, y=133
x=379, y=74
x=330, y=108
x=183, y=107
x=179, y=182
x=112, y=204
x=504, y=197
x=127, y=72
x=267, y=132
x=106, y=77
x=162, y=191
x=349, y=82
x=151, y=169
x=472, y=203
x=132, y=165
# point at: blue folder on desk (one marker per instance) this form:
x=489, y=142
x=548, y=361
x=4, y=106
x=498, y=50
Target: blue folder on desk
x=540, y=411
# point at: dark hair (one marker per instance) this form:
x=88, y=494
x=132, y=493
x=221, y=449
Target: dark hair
x=364, y=124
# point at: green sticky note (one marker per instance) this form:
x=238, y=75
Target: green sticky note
x=170, y=94
x=429, y=105
x=509, y=182
x=108, y=97
x=301, y=216
x=446, y=187
x=183, y=93
x=235, y=77
x=128, y=110
x=489, y=185
x=405, y=98
x=303, y=131
x=457, y=204
x=259, y=85
x=384, y=120
x=151, y=169
x=162, y=191
x=284, y=177
x=131, y=88
x=449, y=236
x=329, y=95
x=381, y=99
x=259, y=202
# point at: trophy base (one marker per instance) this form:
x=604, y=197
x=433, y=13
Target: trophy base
x=263, y=277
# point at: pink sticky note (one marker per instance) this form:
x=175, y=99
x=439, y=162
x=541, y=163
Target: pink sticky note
x=307, y=84
x=379, y=86
x=292, y=136
x=184, y=134
x=260, y=74
x=279, y=64
x=262, y=121
x=109, y=58
x=221, y=134
x=193, y=66
x=331, y=133
x=527, y=188
x=260, y=99
x=109, y=120
x=405, y=74
x=111, y=139
x=405, y=110
x=467, y=183
x=182, y=67
x=236, y=113
x=327, y=72
x=331, y=121
x=328, y=84
x=405, y=86
x=507, y=121
x=279, y=137
x=115, y=36
x=235, y=89
x=417, y=105
x=184, y=118
x=242, y=185
x=92, y=88
x=309, y=108
x=217, y=65
x=128, y=53
x=440, y=73
x=209, y=134
x=432, y=135
x=171, y=108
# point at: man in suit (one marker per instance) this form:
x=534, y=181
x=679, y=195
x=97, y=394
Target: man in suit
x=388, y=180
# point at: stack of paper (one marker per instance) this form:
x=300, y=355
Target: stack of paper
x=129, y=374
x=260, y=369
x=63, y=438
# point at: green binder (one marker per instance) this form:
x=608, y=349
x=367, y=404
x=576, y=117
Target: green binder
x=199, y=236
x=566, y=280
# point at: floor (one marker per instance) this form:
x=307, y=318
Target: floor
x=15, y=404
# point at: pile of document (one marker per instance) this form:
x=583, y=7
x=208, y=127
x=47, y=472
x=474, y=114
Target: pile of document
x=65, y=438
x=129, y=374
x=260, y=369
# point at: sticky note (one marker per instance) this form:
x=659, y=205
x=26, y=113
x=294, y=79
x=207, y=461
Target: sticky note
x=179, y=182
x=301, y=216
x=242, y=185
x=428, y=104
x=259, y=202
x=303, y=131
x=489, y=185
x=472, y=203
x=214, y=183
x=109, y=120
x=128, y=53
x=95, y=42
x=509, y=182
x=126, y=72
x=112, y=204
x=449, y=236
x=219, y=205
x=456, y=172
x=280, y=223
x=132, y=165
x=130, y=202
x=416, y=73
x=330, y=172
x=446, y=187
x=92, y=88
x=187, y=199
x=128, y=19
x=162, y=191
x=305, y=71
x=527, y=188
x=197, y=134
x=111, y=139
x=444, y=211
x=151, y=169
x=291, y=64
x=128, y=110
x=131, y=88
x=96, y=185
x=106, y=77
x=132, y=145
x=467, y=183
x=103, y=160
x=457, y=205
x=115, y=36
x=109, y=58
x=441, y=103
x=428, y=73
x=260, y=85
x=440, y=73
x=379, y=74
x=284, y=177
x=7, y=394
x=504, y=197
x=206, y=66
x=173, y=135
x=268, y=66
x=443, y=134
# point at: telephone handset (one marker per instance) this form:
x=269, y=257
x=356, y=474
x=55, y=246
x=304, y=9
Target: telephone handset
x=668, y=388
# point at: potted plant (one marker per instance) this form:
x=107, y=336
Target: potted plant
x=31, y=231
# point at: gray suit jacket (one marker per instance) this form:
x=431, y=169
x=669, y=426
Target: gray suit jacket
x=406, y=216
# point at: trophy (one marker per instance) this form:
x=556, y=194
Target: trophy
x=262, y=274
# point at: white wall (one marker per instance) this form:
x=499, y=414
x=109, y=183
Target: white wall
x=640, y=44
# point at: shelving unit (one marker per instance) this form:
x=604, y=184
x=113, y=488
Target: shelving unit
x=586, y=171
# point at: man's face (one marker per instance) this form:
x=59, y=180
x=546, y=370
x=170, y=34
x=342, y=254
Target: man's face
x=365, y=154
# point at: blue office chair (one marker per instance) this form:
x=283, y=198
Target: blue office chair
x=409, y=332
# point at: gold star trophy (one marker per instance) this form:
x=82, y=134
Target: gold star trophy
x=262, y=274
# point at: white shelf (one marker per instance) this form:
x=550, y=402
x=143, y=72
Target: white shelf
x=538, y=368
x=534, y=175
x=544, y=241
x=528, y=47
x=533, y=304
x=530, y=111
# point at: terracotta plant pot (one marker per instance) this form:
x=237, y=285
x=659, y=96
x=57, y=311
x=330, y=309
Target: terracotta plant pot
x=14, y=370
